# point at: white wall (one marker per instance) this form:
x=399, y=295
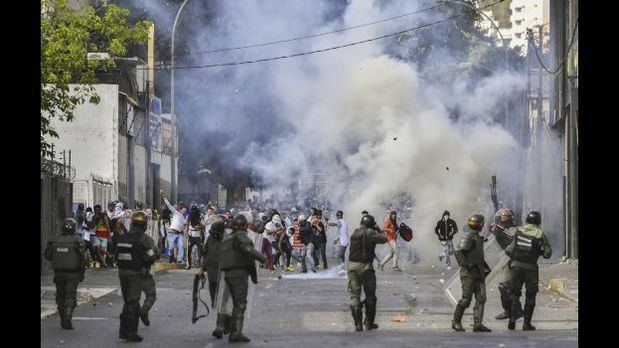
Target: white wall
x=92, y=136
x=139, y=170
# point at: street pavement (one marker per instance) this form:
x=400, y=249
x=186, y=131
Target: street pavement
x=412, y=312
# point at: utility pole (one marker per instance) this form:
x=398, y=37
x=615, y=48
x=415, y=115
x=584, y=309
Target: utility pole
x=540, y=126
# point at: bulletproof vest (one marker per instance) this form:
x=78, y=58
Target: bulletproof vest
x=475, y=255
x=527, y=248
x=130, y=252
x=360, y=249
x=65, y=256
x=230, y=252
x=214, y=246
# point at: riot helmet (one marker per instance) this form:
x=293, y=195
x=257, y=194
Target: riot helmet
x=68, y=226
x=534, y=217
x=239, y=222
x=368, y=221
x=476, y=222
x=139, y=221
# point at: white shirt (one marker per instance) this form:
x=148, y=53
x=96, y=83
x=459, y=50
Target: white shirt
x=343, y=229
x=270, y=227
x=178, y=220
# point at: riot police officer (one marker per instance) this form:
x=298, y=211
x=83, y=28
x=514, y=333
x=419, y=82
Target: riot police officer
x=67, y=252
x=503, y=230
x=237, y=261
x=133, y=257
x=140, y=219
x=528, y=244
x=361, y=271
x=473, y=272
x=210, y=265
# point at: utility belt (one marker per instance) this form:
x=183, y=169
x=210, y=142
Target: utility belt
x=521, y=264
x=174, y=232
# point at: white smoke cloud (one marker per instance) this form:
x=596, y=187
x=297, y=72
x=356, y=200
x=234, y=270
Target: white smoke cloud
x=342, y=110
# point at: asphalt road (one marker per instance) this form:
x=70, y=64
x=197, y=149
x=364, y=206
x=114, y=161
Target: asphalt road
x=315, y=313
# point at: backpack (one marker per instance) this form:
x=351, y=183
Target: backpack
x=405, y=232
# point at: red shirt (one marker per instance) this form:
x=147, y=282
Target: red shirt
x=391, y=229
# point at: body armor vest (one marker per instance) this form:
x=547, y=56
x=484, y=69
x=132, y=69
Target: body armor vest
x=231, y=254
x=360, y=249
x=475, y=255
x=527, y=248
x=130, y=252
x=65, y=256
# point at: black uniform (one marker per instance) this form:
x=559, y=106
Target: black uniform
x=132, y=258
x=361, y=274
x=67, y=252
x=238, y=261
x=148, y=282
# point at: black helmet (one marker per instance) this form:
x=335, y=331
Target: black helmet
x=476, y=222
x=68, y=226
x=339, y=213
x=139, y=219
x=368, y=221
x=138, y=205
x=534, y=217
x=239, y=222
x=218, y=225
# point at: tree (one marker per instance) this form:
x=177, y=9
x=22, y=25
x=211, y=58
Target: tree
x=67, y=76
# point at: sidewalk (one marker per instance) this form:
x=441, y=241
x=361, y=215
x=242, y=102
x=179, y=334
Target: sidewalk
x=97, y=283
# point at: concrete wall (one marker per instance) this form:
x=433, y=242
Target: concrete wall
x=91, y=136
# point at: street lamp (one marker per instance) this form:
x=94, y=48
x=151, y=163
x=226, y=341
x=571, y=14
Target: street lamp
x=173, y=110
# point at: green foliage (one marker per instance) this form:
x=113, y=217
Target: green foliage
x=67, y=76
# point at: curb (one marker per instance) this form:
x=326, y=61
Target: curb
x=84, y=295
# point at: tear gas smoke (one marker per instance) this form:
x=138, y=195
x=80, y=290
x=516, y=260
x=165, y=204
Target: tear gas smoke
x=339, y=113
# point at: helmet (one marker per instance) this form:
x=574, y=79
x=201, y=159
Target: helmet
x=534, y=217
x=368, y=221
x=339, y=213
x=139, y=219
x=68, y=225
x=218, y=226
x=476, y=222
x=138, y=205
x=504, y=217
x=239, y=222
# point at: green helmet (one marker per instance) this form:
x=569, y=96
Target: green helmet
x=534, y=217
x=239, y=222
x=139, y=220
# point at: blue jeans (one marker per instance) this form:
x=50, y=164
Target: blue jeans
x=176, y=239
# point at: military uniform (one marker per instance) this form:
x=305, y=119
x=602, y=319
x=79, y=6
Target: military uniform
x=67, y=252
x=473, y=272
x=528, y=244
x=503, y=237
x=148, y=282
x=361, y=274
x=238, y=261
x=133, y=257
x=210, y=264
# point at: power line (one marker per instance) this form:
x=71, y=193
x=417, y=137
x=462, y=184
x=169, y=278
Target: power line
x=324, y=49
x=569, y=48
x=311, y=36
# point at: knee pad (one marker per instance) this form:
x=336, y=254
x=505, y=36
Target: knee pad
x=355, y=302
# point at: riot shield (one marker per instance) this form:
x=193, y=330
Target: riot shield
x=496, y=259
x=251, y=287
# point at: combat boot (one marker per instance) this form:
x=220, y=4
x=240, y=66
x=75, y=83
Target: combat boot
x=370, y=314
x=219, y=330
x=236, y=331
x=356, y=315
x=478, y=316
x=144, y=316
x=528, y=315
x=67, y=315
x=456, y=324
